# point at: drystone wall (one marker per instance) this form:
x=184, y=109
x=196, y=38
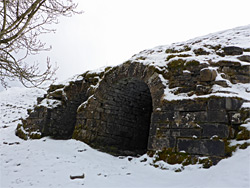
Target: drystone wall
x=126, y=110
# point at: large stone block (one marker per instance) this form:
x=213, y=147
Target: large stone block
x=233, y=103
x=187, y=133
x=233, y=50
x=224, y=103
x=210, y=130
x=207, y=75
x=217, y=116
x=245, y=58
x=191, y=105
x=155, y=143
x=201, y=147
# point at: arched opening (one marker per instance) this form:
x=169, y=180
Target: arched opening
x=128, y=108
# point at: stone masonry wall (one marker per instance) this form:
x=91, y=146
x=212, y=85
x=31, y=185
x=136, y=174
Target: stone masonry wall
x=124, y=110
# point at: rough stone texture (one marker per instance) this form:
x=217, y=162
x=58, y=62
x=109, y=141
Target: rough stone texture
x=245, y=58
x=207, y=75
x=123, y=110
x=233, y=50
x=202, y=147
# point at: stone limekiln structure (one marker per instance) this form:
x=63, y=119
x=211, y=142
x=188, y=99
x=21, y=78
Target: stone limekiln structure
x=191, y=97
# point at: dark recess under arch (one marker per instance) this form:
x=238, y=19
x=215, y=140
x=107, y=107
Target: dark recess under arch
x=123, y=128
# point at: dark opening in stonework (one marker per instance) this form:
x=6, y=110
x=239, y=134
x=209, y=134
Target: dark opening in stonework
x=128, y=108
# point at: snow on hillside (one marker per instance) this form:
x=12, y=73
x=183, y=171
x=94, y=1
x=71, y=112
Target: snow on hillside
x=50, y=163
x=160, y=57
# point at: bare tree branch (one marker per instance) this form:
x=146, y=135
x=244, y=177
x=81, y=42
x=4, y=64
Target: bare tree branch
x=22, y=22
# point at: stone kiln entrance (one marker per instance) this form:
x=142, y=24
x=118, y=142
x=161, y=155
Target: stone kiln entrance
x=117, y=118
x=128, y=108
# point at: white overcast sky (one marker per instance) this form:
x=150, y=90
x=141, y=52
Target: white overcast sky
x=110, y=31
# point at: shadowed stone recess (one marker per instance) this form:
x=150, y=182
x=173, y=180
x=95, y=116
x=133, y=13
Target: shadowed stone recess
x=120, y=119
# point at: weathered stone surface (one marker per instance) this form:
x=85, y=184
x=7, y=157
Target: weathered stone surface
x=224, y=103
x=207, y=75
x=217, y=116
x=245, y=58
x=233, y=50
x=217, y=130
x=201, y=147
x=186, y=133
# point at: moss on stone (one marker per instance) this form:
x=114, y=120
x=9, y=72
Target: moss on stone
x=57, y=94
x=113, y=69
x=229, y=149
x=141, y=58
x=243, y=134
x=185, y=48
x=244, y=114
x=227, y=63
x=171, y=157
x=150, y=153
x=206, y=162
x=179, y=55
x=244, y=145
x=188, y=161
x=155, y=69
x=20, y=133
x=24, y=132
x=91, y=75
x=176, y=64
x=200, y=51
x=171, y=50
x=35, y=135
x=246, y=49
x=107, y=69
x=55, y=87
x=192, y=63
x=216, y=47
x=77, y=131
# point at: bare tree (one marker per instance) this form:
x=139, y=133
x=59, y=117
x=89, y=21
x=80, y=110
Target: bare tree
x=21, y=24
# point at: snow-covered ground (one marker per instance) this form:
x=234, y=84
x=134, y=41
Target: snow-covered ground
x=50, y=163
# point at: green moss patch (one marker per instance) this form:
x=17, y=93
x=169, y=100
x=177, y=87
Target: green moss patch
x=141, y=58
x=179, y=55
x=243, y=134
x=26, y=133
x=185, y=48
x=192, y=63
x=206, y=162
x=55, y=87
x=171, y=157
x=20, y=133
x=246, y=49
x=200, y=51
x=227, y=63
x=176, y=64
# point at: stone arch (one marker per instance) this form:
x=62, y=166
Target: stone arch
x=117, y=118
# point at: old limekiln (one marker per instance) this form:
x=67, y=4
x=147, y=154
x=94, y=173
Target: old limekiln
x=190, y=97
